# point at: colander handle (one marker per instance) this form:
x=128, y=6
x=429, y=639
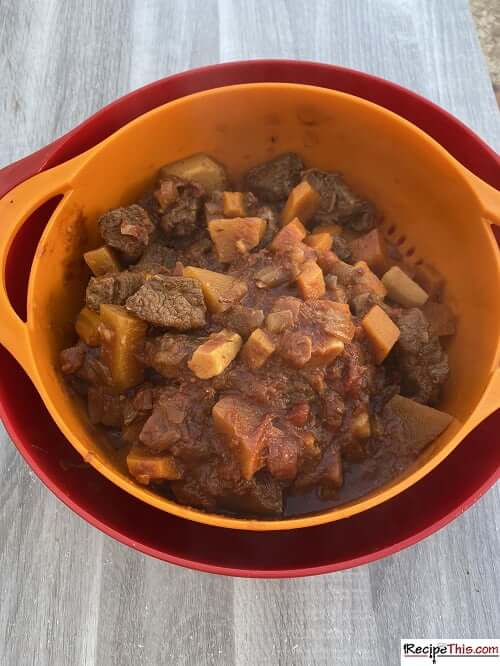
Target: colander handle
x=489, y=197
x=15, y=208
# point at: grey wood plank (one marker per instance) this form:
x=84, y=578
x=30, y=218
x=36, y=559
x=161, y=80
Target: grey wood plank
x=73, y=596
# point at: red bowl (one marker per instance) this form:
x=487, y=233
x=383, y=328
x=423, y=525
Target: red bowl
x=427, y=506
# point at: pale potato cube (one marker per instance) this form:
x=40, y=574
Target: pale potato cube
x=87, y=327
x=257, y=349
x=199, y=168
x=360, y=426
x=321, y=242
x=235, y=237
x=402, y=289
x=325, y=350
x=146, y=466
x=234, y=204
x=213, y=356
x=421, y=424
x=102, y=260
x=282, y=320
x=241, y=424
x=381, y=331
x=294, y=232
x=302, y=202
x=310, y=281
x=368, y=282
x=121, y=335
x=219, y=290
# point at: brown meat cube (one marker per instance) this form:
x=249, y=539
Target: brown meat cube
x=213, y=356
x=334, y=318
x=273, y=180
x=235, y=237
x=262, y=496
x=168, y=354
x=294, y=232
x=283, y=449
x=87, y=325
x=241, y=319
x=310, y=281
x=328, y=261
x=420, y=424
x=240, y=422
x=102, y=260
x=114, y=288
x=338, y=203
x=277, y=322
x=381, y=331
x=121, y=334
x=105, y=407
x=442, y=321
x=257, y=349
x=302, y=202
x=175, y=302
x=371, y=248
x=274, y=275
x=291, y=303
x=72, y=359
x=156, y=258
x=296, y=348
x=298, y=415
x=320, y=242
x=431, y=281
x=234, y=204
x=180, y=202
x=127, y=229
x=220, y=291
x=146, y=466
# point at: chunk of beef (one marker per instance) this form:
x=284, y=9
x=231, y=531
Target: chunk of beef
x=179, y=202
x=157, y=258
x=241, y=319
x=175, y=302
x=72, y=358
x=168, y=354
x=424, y=373
x=273, y=180
x=332, y=408
x=339, y=204
x=414, y=330
x=262, y=495
x=341, y=248
x=113, y=288
x=283, y=452
x=127, y=229
x=105, y=407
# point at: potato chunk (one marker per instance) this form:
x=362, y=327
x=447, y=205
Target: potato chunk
x=290, y=235
x=371, y=248
x=241, y=424
x=219, y=290
x=234, y=204
x=368, y=281
x=324, y=351
x=146, y=466
x=360, y=426
x=302, y=202
x=310, y=281
x=235, y=237
x=102, y=260
x=199, y=168
x=421, y=424
x=257, y=349
x=121, y=335
x=213, y=356
x=402, y=289
x=277, y=322
x=87, y=325
x=321, y=242
x=381, y=331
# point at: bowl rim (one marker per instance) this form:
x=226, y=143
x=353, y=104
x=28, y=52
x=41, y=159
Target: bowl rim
x=54, y=154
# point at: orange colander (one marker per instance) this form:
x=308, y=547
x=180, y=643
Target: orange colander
x=440, y=211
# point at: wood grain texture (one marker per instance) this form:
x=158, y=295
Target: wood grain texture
x=70, y=596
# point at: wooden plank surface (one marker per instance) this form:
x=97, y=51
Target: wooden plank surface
x=70, y=596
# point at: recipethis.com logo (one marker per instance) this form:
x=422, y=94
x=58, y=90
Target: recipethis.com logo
x=449, y=651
